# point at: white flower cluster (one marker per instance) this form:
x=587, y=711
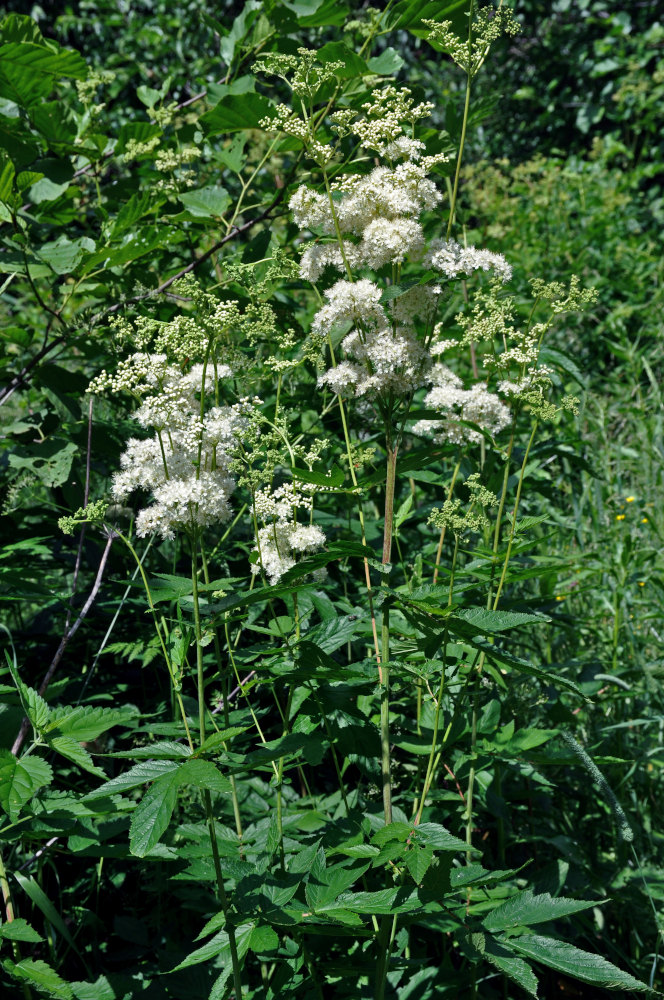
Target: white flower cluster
x=476, y=406
x=280, y=542
x=455, y=260
x=375, y=218
x=389, y=361
x=185, y=464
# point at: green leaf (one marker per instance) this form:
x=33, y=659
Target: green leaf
x=239, y=28
x=40, y=976
x=403, y=511
x=165, y=750
x=86, y=722
x=28, y=71
x=353, y=65
x=41, y=900
x=148, y=96
x=387, y=901
x=149, y=770
x=152, y=815
x=139, y=205
x=574, y=962
x=20, y=778
x=332, y=634
x=218, y=946
x=410, y=13
x=64, y=255
x=235, y=113
x=206, y=203
x=135, y=132
x=55, y=122
x=437, y=836
x=203, y=774
x=335, y=477
x=417, y=861
x=387, y=63
x=7, y=172
x=499, y=954
x=526, y=908
x=263, y=939
x=34, y=705
x=101, y=989
x=216, y=740
x=485, y=622
x=70, y=748
x=20, y=28
x=329, y=12
x=477, y=874
x=19, y=930
x=137, y=243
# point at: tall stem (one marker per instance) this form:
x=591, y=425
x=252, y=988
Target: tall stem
x=492, y=604
x=9, y=917
x=387, y=925
x=384, y=666
x=207, y=799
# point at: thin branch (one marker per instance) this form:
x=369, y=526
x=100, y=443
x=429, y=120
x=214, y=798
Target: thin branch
x=68, y=634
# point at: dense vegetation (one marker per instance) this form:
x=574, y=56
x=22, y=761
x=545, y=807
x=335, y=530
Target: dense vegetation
x=332, y=450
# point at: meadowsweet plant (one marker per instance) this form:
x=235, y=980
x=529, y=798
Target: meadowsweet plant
x=329, y=494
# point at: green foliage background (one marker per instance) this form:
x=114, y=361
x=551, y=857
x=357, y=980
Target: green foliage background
x=563, y=175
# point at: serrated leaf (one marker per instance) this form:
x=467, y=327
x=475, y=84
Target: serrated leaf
x=218, y=946
x=28, y=71
x=86, y=722
x=152, y=815
x=488, y=622
x=476, y=873
x=386, y=901
x=101, y=989
x=437, y=836
x=357, y=851
x=263, y=939
x=574, y=962
x=140, y=774
x=418, y=860
x=526, y=908
x=40, y=976
x=203, y=774
x=64, y=255
x=503, y=958
x=19, y=930
x=20, y=778
x=34, y=705
x=215, y=740
x=164, y=750
x=73, y=751
x=335, y=632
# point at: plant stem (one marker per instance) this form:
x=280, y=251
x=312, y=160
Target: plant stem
x=9, y=917
x=384, y=936
x=439, y=550
x=225, y=679
x=384, y=667
x=207, y=799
